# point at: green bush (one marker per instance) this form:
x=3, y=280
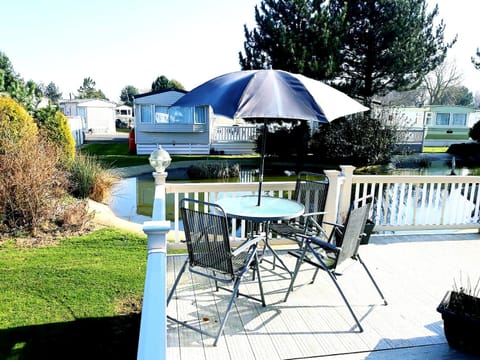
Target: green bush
x=474, y=132
x=213, y=170
x=286, y=141
x=15, y=123
x=361, y=140
x=55, y=129
x=89, y=179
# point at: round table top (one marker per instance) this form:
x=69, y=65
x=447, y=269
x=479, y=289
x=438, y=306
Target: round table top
x=271, y=208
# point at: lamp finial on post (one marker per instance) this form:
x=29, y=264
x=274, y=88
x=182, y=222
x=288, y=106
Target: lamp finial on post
x=160, y=159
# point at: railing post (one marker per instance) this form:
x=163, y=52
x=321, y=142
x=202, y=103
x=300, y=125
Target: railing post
x=345, y=199
x=152, y=343
x=331, y=207
x=159, y=197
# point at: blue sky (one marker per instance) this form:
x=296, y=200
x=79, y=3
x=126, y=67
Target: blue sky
x=119, y=42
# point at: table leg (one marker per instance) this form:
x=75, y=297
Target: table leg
x=276, y=256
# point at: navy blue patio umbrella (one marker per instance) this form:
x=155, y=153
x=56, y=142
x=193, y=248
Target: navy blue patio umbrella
x=271, y=94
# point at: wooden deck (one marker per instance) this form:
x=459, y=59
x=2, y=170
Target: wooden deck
x=414, y=272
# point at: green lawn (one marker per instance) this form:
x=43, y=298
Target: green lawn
x=116, y=155
x=435, y=149
x=449, y=137
x=78, y=299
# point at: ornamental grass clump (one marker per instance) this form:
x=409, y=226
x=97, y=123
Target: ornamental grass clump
x=89, y=179
x=465, y=299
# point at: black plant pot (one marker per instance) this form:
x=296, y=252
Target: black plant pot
x=368, y=229
x=460, y=324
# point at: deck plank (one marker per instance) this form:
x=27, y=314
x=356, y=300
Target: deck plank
x=414, y=272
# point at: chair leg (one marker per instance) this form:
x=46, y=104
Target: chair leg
x=373, y=280
x=227, y=311
x=257, y=269
x=177, y=280
x=295, y=273
x=314, y=275
x=332, y=276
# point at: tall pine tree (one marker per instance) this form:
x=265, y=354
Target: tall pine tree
x=366, y=48
x=300, y=36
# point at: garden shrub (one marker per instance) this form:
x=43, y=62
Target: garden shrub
x=15, y=122
x=286, y=141
x=213, y=170
x=360, y=141
x=55, y=129
x=474, y=132
x=31, y=186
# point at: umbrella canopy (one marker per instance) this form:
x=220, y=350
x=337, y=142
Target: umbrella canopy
x=271, y=94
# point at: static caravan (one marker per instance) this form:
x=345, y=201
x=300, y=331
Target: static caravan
x=178, y=130
x=187, y=130
x=446, y=125
x=443, y=124
x=98, y=116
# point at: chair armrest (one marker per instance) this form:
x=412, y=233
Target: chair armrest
x=246, y=245
x=323, y=244
x=334, y=224
x=314, y=213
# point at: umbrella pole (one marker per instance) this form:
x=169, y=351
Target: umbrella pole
x=262, y=162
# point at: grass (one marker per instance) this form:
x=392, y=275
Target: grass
x=435, y=149
x=77, y=299
x=116, y=155
x=449, y=136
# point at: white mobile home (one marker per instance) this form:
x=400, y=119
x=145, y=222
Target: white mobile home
x=186, y=130
x=443, y=125
x=98, y=116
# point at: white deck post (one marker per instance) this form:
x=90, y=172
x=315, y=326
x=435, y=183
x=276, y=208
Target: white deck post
x=331, y=206
x=346, y=193
x=152, y=342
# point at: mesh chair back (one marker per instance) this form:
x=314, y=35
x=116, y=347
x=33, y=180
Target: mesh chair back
x=354, y=227
x=311, y=190
x=207, y=237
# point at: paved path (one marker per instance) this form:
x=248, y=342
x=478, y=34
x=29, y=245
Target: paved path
x=99, y=137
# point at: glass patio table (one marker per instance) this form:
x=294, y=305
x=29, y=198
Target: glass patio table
x=270, y=209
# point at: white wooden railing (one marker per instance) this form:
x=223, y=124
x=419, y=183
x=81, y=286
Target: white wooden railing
x=400, y=202
x=421, y=202
x=234, y=134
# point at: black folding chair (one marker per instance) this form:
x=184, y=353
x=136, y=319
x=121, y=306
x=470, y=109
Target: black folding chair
x=311, y=190
x=329, y=255
x=210, y=255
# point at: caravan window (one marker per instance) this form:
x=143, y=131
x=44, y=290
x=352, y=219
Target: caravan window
x=201, y=114
x=459, y=119
x=442, y=119
x=161, y=114
x=180, y=115
x=146, y=114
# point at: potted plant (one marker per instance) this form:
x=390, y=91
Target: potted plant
x=460, y=309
